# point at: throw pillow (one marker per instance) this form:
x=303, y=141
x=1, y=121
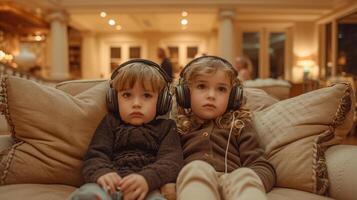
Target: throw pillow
x=296, y=132
x=52, y=130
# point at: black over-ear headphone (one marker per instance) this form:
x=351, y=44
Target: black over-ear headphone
x=164, y=100
x=183, y=96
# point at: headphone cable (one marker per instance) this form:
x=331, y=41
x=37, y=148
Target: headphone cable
x=229, y=138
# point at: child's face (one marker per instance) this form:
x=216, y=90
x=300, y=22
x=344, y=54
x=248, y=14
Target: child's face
x=209, y=95
x=137, y=105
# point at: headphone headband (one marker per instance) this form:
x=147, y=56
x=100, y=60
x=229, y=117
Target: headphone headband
x=201, y=57
x=183, y=95
x=148, y=62
x=164, y=100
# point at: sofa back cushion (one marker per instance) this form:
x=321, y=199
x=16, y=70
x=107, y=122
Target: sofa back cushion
x=52, y=130
x=297, y=131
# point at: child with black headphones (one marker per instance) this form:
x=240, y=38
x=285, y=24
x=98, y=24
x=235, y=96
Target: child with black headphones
x=221, y=152
x=132, y=154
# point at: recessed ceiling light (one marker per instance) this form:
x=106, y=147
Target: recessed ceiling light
x=38, y=37
x=184, y=14
x=118, y=27
x=184, y=21
x=111, y=22
x=103, y=14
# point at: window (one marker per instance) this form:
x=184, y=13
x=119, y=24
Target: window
x=174, y=57
x=277, y=54
x=251, y=46
x=134, y=52
x=115, y=57
x=328, y=51
x=192, y=52
x=346, y=60
x=75, y=61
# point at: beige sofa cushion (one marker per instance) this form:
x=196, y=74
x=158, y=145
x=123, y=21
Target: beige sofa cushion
x=61, y=192
x=257, y=99
x=296, y=132
x=277, y=88
x=4, y=129
x=342, y=164
x=290, y=194
x=35, y=192
x=52, y=129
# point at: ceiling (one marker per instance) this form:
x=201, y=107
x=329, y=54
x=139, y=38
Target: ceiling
x=350, y=19
x=165, y=15
x=15, y=19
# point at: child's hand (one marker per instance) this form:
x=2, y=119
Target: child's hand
x=109, y=181
x=134, y=187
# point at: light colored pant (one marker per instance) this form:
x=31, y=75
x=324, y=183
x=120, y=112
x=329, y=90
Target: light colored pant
x=199, y=180
x=92, y=191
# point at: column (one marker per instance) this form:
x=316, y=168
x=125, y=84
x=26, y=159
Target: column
x=226, y=42
x=59, y=65
x=90, y=52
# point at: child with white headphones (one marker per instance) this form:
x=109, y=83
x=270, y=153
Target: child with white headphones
x=222, y=154
x=133, y=153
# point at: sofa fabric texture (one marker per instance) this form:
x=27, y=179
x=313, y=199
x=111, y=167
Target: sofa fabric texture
x=48, y=140
x=302, y=128
x=52, y=130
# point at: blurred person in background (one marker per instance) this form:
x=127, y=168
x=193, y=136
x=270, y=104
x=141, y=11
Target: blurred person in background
x=165, y=62
x=244, y=67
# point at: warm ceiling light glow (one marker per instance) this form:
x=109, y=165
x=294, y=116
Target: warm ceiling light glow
x=118, y=27
x=111, y=22
x=38, y=37
x=2, y=54
x=184, y=14
x=184, y=21
x=103, y=14
x=183, y=27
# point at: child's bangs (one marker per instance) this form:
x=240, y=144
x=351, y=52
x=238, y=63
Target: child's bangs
x=209, y=67
x=149, y=78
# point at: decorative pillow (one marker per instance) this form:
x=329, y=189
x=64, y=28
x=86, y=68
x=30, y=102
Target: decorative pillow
x=257, y=99
x=52, y=130
x=297, y=131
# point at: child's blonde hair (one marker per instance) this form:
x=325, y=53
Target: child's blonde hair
x=186, y=120
x=139, y=72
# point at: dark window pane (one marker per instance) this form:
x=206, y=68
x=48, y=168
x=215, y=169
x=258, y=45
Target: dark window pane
x=115, y=57
x=347, y=53
x=192, y=52
x=277, y=54
x=328, y=50
x=115, y=52
x=174, y=57
x=251, y=46
x=134, y=52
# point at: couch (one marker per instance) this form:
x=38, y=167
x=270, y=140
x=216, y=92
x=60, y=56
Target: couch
x=341, y=161
x=277, y=88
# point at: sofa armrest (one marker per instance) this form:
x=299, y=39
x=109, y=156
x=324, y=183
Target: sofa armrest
x=5, y=141
x=342, y=165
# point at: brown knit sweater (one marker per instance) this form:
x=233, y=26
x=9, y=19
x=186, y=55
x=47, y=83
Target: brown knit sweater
x=208, y=143
x=152, y=150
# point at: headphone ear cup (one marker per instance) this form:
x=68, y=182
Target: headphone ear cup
x=183, y=96
x=112, y=101
x=235, y=98
x=164, y=102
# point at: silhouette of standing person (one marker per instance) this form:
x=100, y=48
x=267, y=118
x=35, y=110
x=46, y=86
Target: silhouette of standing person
x=165, y=62
x=244, y=68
